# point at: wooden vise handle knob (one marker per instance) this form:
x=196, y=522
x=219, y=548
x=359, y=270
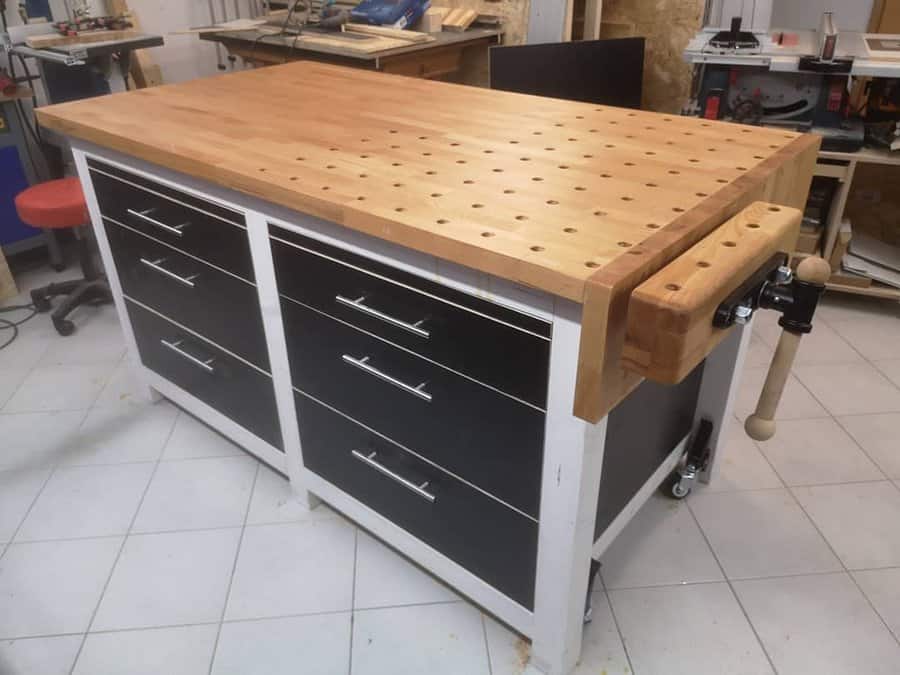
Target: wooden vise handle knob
x=760, y=426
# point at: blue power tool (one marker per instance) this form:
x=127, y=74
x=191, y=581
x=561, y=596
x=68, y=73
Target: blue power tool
x=394, y=13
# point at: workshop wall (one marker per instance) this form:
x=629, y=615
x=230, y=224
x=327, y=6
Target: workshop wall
x=668, y=26
x=513, y=14
x=184, y=57
x=806, y=14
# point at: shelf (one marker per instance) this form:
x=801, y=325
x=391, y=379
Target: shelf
x=866, y=155
x=876, y=290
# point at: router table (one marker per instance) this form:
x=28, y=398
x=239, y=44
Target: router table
x=485, y=326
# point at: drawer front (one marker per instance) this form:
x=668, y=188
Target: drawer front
x=480, y=534
x=235, y=389
x=478, y=434
x=505, y=349
x=220, y=307
x=204, y=230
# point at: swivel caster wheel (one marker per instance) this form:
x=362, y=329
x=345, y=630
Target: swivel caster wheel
x=676, y=486
x=58, y=267
x=41, y=302
x=64, y=327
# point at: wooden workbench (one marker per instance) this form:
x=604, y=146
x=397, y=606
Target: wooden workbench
x=436, y=58
x=577, y=200
x=448, y=301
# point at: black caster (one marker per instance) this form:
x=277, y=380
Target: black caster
x=41, y=302
x=677, y=486
x=58, y=267
x=64, y=327
x=679, y=483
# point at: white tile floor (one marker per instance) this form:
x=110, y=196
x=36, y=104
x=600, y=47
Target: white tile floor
x=134, y=540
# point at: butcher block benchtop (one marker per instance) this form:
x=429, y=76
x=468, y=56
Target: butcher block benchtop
x=580, y=200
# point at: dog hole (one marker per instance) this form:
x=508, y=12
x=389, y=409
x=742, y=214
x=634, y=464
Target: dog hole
x=729, y=244
x=537, y=249
x=673, y=287
x=702, y=263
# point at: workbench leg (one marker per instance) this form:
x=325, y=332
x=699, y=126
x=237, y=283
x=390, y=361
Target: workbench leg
x=718, y=389
x=273, y=327
x=573, y=459
x=305, y=497
x=112, y=276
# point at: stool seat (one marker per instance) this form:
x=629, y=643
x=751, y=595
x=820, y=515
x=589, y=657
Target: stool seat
x=54, y=204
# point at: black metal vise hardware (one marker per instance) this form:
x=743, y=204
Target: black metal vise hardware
x=767, y=288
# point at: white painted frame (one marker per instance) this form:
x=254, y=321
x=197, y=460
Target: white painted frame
x=573, y=448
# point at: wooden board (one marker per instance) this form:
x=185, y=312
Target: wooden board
x=145, y=72
x=46, y=41
x=459, y=19
x=579, y=200
x=670, y=316
x=382, y=31
x=7, y=283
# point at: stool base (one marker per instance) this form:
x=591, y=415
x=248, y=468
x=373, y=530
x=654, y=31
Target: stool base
x=78, y=292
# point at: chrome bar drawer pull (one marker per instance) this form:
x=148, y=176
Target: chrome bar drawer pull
x=205, y=364
x=156, y=265
x=145, y=216
x=408, y=484
x=359, y=306
x=363, y=364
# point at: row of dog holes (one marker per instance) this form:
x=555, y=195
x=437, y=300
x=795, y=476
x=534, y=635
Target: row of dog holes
x=727, y=244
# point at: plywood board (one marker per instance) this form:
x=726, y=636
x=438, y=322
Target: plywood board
x=7, y=283
x=459, y=19
x=46, y=41
x=579, y=200
x=382, y=31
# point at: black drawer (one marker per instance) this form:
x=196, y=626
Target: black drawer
x=205, y=230
x=480, y=435
x=238, y=391
x=505, y=349
x=220, y=307
x=491, y=541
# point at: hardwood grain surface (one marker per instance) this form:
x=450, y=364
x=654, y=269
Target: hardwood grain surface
x=540, y=191
x=579, y=200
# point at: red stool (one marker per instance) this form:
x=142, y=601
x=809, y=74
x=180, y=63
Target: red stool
x=59, y=204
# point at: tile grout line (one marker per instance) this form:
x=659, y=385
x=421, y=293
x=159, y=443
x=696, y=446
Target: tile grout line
x=860, y=446
x=112, y=568
x=734, y=594
x=847, y=570
x=37, y=496
x=234, y=564
x=615, y=619
x=767, y=577
x=487, y=645
x=353, y=597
